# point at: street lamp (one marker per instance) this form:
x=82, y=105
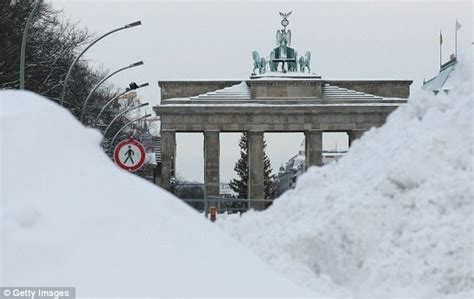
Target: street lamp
x=63, y=93
x=102, y=81
x=123, y=127
x=132, y=86
x=23, y=43
x=122, y=113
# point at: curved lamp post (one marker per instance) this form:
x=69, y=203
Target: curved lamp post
x=116, y=97
x=63, y=93
x=102, y=81
x=124, y=126
x=122, y=113
x=23, y=43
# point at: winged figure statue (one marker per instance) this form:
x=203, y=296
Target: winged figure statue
x=285, y=15
x=283, y=36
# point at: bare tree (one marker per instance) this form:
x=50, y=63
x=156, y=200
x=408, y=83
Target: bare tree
x=51, y=48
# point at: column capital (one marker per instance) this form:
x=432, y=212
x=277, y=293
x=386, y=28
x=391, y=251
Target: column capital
x=313, y=131
x=354, y=134
x=256, y=132
x=166, y=131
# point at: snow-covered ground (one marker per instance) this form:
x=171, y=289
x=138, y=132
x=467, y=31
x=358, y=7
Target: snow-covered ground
x=70, y=217
x=392, y=219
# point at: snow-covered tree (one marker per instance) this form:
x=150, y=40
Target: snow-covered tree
x=240, y=184
x=52, y=45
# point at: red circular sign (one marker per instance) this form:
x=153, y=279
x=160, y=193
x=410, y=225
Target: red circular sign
x=129, y=154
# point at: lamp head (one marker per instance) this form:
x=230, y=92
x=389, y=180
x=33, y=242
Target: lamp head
x=136, y=63
x=137, y=23
x=133, y=85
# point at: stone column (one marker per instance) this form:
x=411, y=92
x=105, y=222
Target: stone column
x=353, y=135
x=313, y=148
x=211, y=166
x=157, y=175
x=168, y=158
x=256, y=166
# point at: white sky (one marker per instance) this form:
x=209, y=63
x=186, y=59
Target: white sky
x=214, y=40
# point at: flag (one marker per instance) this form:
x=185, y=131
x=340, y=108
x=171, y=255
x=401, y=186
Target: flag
x=458, y=25
x=440, y=38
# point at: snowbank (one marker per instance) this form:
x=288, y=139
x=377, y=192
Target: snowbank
x=393, y=218
x=70, y=217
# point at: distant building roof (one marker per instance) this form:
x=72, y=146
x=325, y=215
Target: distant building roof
x=441, y=81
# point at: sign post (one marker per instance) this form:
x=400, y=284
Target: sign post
x=129, y=154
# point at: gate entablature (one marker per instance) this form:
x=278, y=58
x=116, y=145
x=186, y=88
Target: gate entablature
x=283, y=88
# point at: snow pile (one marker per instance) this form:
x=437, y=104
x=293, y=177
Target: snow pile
x=393, y=218
x=70, y=217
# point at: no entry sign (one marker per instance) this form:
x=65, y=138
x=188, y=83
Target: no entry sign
x=129, y=154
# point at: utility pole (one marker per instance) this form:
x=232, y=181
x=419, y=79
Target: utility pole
x=23, y=43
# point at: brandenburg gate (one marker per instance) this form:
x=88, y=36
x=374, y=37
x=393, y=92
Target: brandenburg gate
x=285, y=98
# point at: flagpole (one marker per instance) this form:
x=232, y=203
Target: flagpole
x=456, y=39
x=440, y=47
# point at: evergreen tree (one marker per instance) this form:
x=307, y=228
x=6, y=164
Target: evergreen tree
x=239, y=184
x=268, y=177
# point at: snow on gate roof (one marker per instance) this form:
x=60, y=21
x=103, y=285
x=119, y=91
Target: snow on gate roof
x=241, y=92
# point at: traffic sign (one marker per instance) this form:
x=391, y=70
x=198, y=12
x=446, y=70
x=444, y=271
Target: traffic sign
x=129, y=154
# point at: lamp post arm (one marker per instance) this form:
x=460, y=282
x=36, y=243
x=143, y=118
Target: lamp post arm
x=124, y=126
x=63, y=92
x=113, y=99
x=120, y=114
x=23, y=43
x=108, y=103
x=100, y=83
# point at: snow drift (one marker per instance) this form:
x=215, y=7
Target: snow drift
x=394, y=218
x=70, y=217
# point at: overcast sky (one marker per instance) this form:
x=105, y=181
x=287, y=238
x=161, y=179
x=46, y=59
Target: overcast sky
x=214, y=40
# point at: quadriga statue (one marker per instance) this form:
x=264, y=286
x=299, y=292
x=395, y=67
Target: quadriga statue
x=258, y=63
x=305, y=62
